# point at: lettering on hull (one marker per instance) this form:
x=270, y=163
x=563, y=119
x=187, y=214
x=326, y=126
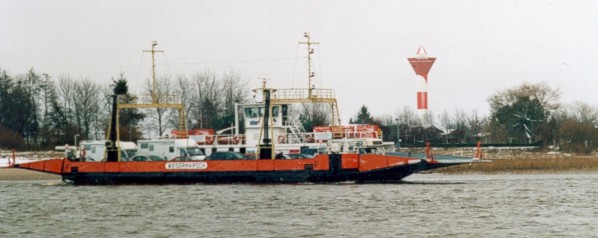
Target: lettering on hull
x=186, y=165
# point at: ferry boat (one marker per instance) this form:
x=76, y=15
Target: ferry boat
x=330, y=154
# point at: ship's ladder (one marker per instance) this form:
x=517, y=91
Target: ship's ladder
x=295, y=130
x=183, y=123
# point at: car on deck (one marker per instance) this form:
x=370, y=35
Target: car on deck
x=226, y=155
x=139, y=158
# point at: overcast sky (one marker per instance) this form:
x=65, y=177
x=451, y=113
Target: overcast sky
x=481, y=46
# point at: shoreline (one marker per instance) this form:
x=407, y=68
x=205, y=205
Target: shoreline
x=526, y=165
x=13, y=174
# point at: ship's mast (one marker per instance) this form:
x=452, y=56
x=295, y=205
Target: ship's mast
x=310, y=73
x=162, y=100
x=153, y=51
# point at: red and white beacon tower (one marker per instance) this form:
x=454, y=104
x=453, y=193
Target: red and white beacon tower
x=422, y=64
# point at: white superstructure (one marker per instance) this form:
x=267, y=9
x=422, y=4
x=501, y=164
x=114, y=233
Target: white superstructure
x=169, y=149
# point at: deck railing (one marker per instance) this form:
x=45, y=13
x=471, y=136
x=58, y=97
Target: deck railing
x=170, y=98
x=303, y=93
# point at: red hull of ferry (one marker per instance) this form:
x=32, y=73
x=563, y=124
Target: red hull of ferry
x=321, y=169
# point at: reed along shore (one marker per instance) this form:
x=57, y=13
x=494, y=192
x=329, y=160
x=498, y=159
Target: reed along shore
x=527, y=164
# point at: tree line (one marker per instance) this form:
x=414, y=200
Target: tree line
x=38, y=111
x=524, y=114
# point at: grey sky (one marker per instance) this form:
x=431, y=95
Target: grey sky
x=482, y=46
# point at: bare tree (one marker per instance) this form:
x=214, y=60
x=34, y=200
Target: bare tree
x=476, y=125
x=428, y=118
x=408, y=117
x=80, y=103
x=185, y=88
x=207, y=103
x=518, y=113
x=86, y=98
x=459, y=119
x=445, y=120
x=162, y=116
x=313, y=114
x=385, y=120
x=575, y=127
x=67, y=87
x=547, y=97
x=583, y=112
x=101, y=123
x=234, y=90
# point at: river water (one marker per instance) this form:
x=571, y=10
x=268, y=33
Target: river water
x=424, y=205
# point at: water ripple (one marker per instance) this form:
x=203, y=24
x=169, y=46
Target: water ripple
x=427, y=205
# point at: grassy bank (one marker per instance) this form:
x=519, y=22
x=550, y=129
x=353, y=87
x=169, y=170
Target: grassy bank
x=528, y=164
x=517, y=161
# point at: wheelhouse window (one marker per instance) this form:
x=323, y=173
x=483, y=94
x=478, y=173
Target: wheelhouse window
x=252, y=112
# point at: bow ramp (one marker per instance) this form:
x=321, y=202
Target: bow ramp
x=53, y=166
x=429, y=162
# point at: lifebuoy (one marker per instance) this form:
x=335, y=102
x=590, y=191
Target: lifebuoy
x=209, y=139
x=236, y=140
x=281, y=139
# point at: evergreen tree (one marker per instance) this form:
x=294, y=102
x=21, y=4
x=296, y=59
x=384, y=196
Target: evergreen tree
x=130, y=118
x=363, y=116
